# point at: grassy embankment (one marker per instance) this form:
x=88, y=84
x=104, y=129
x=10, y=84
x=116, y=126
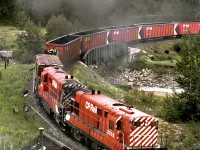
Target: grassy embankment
x=160, y=53
x=15, y=130
x=8, y=37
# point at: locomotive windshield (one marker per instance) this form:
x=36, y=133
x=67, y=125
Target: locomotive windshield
x=145, y=123
x=136, y=124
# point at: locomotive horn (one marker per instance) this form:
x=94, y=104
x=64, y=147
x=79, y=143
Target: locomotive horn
x=93, y=92
x=99, y=92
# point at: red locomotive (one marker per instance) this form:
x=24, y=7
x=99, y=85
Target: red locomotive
x=90, y=116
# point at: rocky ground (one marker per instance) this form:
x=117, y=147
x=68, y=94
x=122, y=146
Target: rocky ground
x=118, y=72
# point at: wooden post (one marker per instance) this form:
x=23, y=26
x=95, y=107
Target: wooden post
x=0, y=75
x=5, y=64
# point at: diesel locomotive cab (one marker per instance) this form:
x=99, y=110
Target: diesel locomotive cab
x=144, y=131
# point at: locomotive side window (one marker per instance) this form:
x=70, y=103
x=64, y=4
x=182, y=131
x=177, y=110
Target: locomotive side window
x=111, y=125
x=97, y=124
x=76, y=108
x=45, y=78
x=119, y=124
x=72, y=106
x=106, y=114
x=99, y=111
x=50, y=80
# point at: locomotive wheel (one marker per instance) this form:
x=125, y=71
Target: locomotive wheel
x=77, y=135
x=93, y=145
x=67, y=130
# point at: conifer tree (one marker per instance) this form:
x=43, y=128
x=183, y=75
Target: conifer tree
x=189, y=79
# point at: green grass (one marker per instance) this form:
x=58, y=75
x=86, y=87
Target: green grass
x=163, y=63
x=15, y=130
x=8, y=37
x=93, y=81
x=155, y=54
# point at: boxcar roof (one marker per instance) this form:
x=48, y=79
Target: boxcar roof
x=45, y=59
x=90, y=32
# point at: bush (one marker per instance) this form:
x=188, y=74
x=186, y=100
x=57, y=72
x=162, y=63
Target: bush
x=138, y=63
x=21, y=20
x=177, y=47
x=59, y=26
x=26, y=57
x=173, y=109
x=30, y=42
x=141, y=100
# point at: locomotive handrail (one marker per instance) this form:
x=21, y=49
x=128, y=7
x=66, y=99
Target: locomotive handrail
x=122, y=138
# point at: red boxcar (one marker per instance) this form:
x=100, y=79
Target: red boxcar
x=92, y=39
x=68, y=48
x=157, y=31
x=42, y=61
x=122, y=34
x=188, y=27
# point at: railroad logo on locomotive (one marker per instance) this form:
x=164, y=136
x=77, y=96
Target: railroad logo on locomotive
x=91, y=107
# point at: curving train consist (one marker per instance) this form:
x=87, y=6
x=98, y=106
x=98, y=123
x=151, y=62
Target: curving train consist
x=71, y=47
x=91, y=117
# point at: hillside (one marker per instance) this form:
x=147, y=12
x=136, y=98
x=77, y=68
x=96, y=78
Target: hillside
x=16, y=131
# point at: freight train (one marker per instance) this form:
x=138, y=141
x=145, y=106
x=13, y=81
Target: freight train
x=73, y=46
x=90, y=116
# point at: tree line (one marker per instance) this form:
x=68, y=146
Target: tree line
x=93, y=14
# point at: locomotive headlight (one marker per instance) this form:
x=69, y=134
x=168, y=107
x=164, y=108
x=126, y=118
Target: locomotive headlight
x=155, y=123
x=129, y=148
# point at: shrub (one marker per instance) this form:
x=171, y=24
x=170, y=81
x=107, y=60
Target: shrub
x=26, y=57
x=173, y=109
x=141, y=100
x=177, y=47
x=138, y=63
x=59, y=26
x=30, y=42
x=21, y=20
